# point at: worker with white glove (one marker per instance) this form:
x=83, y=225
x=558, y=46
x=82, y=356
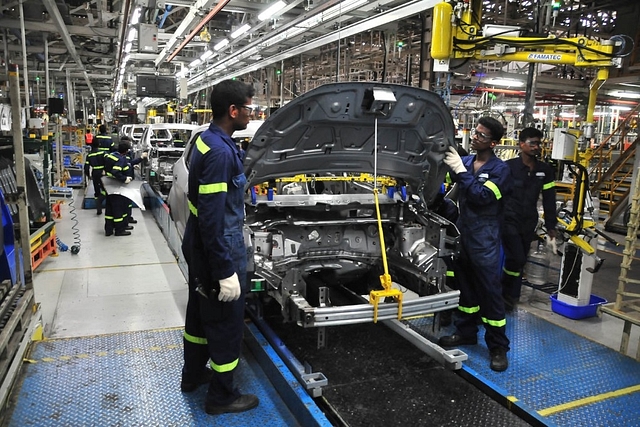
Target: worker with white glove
x=477, y=269
x=213, y=246
x=454, y=161
x=145, y=155
x=128, y=180
x=229, y=289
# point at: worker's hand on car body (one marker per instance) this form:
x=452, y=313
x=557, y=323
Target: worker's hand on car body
x=453, y=160
x=229, y=289
x=128, y=180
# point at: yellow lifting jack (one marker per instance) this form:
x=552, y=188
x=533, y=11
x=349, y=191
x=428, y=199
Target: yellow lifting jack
x=385, y=278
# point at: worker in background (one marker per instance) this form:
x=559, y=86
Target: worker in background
x=94, y=169
x=214, y=249
x=530, y=177
x=88, y=137
x=104, y=141
x=116, y=166
x=483, y=180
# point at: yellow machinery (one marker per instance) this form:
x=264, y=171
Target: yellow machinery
x=457, y=35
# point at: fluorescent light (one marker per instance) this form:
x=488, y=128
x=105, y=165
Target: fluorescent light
x=132, y=35
x=504, y=82
x=135, y=18
x=240, y=31
x=195, y=63
x=621, y=108
x=221, y=44
x=624, y=94
x=206, y=55
x=127, y=47
x=272, y=10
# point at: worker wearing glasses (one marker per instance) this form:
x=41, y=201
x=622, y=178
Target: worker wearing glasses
x=530, y=177
x=483, y=181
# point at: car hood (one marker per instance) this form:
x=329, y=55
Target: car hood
x=331, y=130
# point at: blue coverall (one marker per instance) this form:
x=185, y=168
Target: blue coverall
x=214, y=248
x=105, y=143
x=94, y=167
x=521, y=218
x=116, y=213
x=477, y=270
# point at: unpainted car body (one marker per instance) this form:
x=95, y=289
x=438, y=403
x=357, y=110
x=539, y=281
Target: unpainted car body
x=177, y=199
x=327, y=174
x=165, y=144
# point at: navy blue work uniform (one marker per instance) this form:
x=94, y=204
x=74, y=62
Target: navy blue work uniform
x=521, y=218
x=477, y=270
x=94, y=167
x=105, y=143
x=116, y=211
x=214, y=248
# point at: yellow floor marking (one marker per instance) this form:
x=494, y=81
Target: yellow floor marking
x=588, y=400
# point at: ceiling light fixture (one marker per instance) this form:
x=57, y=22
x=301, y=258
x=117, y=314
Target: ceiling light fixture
x=240, y=31
x=206, y=55
x=221, y=44
x=624, y=94
x=271, y=10
x=503, y=82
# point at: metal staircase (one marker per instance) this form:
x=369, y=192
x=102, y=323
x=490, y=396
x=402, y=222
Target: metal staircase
x=611, y=169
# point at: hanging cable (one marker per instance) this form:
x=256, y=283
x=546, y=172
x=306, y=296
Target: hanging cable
x=75, y=248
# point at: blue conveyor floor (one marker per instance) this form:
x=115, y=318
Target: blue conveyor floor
x=556, y=376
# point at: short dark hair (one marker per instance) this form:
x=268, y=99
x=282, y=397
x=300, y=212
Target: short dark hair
x=123, y=147
x=228, y=93
x=102, y=129
x=527, y=133
x=494, y=126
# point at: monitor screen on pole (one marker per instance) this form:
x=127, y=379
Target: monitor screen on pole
x=56, y=106
x=156, y=86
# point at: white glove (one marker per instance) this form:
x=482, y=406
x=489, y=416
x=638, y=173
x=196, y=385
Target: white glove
x=453, y=160
x=128, y=180
x=144, y=155
x=551, y=243
x=229, y=289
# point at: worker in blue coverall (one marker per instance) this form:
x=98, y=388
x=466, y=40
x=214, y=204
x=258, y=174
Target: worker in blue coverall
x=117, y=167
x=94, y=169
x=530, y=177
x=133, y=160
x=215, y=252
x=104, y=141
x=483, y=181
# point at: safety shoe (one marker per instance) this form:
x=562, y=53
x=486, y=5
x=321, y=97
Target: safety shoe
x=499, y=361
x=108, y=233
x=133, y=221
x=98, y=212
x=456, y=340
x=129, y=227
x=123, y=233
x=241, y=404
x=205, y=378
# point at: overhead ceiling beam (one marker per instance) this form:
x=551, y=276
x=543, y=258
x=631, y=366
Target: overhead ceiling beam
x=52, y=8
x=183, y=28
x=74, y=30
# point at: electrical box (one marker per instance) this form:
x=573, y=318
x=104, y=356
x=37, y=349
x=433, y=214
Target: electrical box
x=36, y=123
x=148, y=38
x=564, y=144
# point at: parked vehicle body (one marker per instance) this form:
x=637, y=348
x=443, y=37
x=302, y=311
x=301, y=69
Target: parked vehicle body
x=165, y=144
x=331, y=173
x=178, y=193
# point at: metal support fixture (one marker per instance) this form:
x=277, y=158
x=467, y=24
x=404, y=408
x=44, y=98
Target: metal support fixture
x=281, y=83
x=24, y=61
x=71, y=102
x=47, y=82
x=21, y=180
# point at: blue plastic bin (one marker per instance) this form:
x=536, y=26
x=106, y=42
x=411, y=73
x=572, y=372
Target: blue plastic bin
x=577, y=312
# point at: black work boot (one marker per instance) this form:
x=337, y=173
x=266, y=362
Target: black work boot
x=241, y=404
x=189, y=386
x=499, y=361
x=456, y=340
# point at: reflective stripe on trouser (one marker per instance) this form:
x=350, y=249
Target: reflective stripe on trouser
x=478, y=276
x=115, y=213
x=222, y=325
x=516, y=248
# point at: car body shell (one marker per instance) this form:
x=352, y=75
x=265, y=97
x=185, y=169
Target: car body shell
x=336, y=178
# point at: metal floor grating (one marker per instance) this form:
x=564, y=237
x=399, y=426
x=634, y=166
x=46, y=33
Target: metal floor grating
x=128, y=379
x=556, y=375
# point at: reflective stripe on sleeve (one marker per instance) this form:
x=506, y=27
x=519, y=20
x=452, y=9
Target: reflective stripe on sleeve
x=491, y=186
